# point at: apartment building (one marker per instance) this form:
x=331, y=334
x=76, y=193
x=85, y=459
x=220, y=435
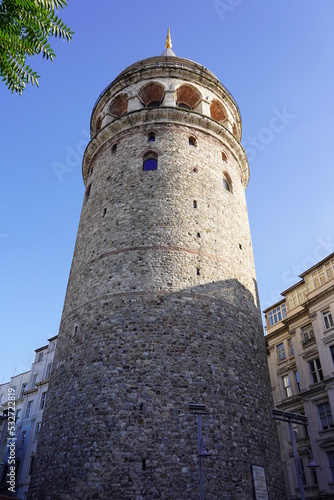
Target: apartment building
x=300, y=346
x=30, y=389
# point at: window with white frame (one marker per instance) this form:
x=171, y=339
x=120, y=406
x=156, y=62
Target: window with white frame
x=307, y=334
x=330, y=458
x=296, y=297
x=43, y=399
x=292, y=352
x=28, y=410
x=277, y=314
x=287, y=386
x=316, y=279
x=48, y=371
x=53, y=345
x=34, y=380
x=39, y=357
x=23, y=438
x=332, y=352
x=23, y=388
x=330, y=269
x=281, y=352
x=31, y=464
x=302, y=471
x=316, y=370
x=328, y=319
x=325, y=415
x=297, y=381
x=37, y=430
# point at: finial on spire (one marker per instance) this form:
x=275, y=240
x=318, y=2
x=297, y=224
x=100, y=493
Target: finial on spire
x=168, y=44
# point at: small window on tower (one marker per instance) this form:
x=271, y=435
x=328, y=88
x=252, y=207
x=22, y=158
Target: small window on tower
x=150, y=161
x=114, y=149
x=151, y=137
x=192, y=141
x=227, y=183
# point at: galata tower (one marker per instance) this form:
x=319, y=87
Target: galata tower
x=161, y=309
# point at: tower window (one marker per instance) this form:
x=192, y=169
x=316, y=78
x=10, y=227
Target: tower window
x=150, y=162
x=188, y=97
x=183, y=106
x=114, y=149
x=195, y=204
x=119, y=105
x=87, y=193
x=227, y=183
x=151, y=137
x=192, y=141
x=224, y=156
x=217, y=111
x=152, y=94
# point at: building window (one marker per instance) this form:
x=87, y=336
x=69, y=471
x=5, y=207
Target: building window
x=318, y=277
x=34, y=380
x=302, y=471
x=277, y=314
x=53, y=345
x=286, y=385
x=330, y=269
x=332, y=352
x=224, y=156
x=48, y=371
x=316, y=370
x=43, y=399
x=330, y=457
x=23, y=438
x=23, y=389
x=281, y=352
x=307, y=334
x=296, y=297
x=28, y=410
x=114, y=149
x=297, y=381
x=17, y=415
x=32, y=459
x=150, y=162
x=37, y=430
x=325, y=415
x=151, y=137
x=292, y=352
x=328, y=319
x=192, y=141
x=39, y=357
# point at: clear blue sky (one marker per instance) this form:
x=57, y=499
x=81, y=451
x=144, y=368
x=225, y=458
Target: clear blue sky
x=275, y=57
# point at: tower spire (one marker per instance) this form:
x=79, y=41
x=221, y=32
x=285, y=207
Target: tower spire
x=168, y=44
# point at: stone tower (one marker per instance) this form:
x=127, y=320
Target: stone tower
x=161, y=306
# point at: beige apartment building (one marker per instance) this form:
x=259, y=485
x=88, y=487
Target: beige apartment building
x=300, y=346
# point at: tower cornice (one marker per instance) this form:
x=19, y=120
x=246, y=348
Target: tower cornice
x=163, y=115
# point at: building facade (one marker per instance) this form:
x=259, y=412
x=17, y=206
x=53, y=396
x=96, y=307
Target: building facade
x=30, y=389
x=300, y=345
x=160, y=305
